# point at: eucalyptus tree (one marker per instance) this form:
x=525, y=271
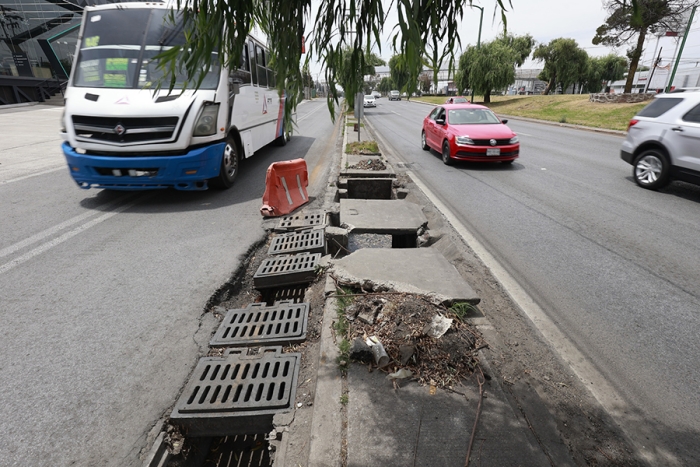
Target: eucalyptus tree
x=385, y=85
x=626, y=22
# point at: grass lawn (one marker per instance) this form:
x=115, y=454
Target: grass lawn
x=563, y=108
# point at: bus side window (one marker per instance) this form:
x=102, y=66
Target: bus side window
x=262, y=72
x=253, y=66
x=241, y=75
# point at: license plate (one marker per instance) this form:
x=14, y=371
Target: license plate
x=493, y=152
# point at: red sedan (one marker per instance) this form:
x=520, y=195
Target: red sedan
x=469, y=132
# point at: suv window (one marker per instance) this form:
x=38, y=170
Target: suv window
x=659, y=107
x=693, y=115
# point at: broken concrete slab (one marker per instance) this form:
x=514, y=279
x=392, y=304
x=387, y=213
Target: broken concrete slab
x=412, y=270
x=393, y=217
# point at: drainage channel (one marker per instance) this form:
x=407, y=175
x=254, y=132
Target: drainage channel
x=224, y=415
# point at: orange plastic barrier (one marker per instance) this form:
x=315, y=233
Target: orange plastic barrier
x=285, y=188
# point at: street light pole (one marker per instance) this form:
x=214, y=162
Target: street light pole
x=478, y=39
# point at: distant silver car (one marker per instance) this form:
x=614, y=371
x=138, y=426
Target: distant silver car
x=663, y=140
x=369, y=101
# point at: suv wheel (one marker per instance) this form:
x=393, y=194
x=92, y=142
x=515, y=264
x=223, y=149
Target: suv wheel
x=651, y=169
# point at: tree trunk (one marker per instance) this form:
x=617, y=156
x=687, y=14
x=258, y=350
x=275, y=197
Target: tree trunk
x=550, y=85
x=487, y=96
x=634, y=61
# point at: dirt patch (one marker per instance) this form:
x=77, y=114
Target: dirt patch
x=401, y=321
x=369, y=164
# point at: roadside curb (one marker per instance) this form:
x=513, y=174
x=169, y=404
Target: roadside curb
x=548, y=122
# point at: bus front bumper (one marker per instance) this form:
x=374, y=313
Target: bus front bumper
x=189, y=171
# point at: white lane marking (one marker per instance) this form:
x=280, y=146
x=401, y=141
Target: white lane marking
x=44, y=172
x=57, y=228
x=523, y=134
x=393, y=111
x=67, y=236
x=305, y=116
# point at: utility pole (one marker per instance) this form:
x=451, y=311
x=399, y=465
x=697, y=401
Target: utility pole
x=656, y=63
x=680, y=52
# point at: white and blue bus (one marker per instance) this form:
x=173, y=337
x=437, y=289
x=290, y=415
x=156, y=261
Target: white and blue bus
x=120, y=134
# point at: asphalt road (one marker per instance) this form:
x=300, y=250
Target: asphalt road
x=613, y=266
x=103, y=293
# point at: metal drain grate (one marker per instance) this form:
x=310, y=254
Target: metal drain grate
x=239, y=451
x=310, y=241
x=302, y=220
x=285, y=270
x=238, y=393
x=282, y=323
x=293, y=294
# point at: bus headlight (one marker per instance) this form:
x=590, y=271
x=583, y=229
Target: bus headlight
x=206, y=122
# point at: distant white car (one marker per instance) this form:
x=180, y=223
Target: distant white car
x=369, y=101
x=376, y=94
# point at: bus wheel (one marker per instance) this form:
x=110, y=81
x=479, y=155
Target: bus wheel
x=229, y=166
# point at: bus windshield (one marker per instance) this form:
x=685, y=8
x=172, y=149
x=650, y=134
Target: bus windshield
x=119, y=46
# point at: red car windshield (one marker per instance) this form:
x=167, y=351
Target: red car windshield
x=471, y=117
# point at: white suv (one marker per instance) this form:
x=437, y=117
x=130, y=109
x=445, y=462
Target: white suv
x=663, y=140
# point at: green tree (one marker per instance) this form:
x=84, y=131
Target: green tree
x=565, y=63
x=492, y=66
x=385, y=85
x=626, y=21
x=425, y=83
x=338, y=25
x=399, y=72
x=351, y=74
x=306, y=76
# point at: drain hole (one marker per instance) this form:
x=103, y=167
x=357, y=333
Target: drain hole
x=204, y=395
x=277, y=329
x=243, y=331
x=214, y=373
x=215, y=395
x=280, y=395
x=252, y=331
x=237, y=395
x=259, y=394
x=204, y=373
x=255, y=371
x=242, y=317
x=227, y=393
x=269, y=329
x=248, y=392
x=257, y=317
x=285, y=372
x=245, y=371
x=225, y=373
x=286, y=327
x=235, y=371
x=266, y=369
x=276, y=370
x=296, y=326
x=235, y=331
x=271, y=391
x=193, y=396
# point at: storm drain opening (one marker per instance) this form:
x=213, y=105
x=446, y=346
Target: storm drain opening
x=284, y=270
x=237, y=393
x=284, y=323
x=239, y=451
x=301, y=220
x=309, y=241
x=293, y=294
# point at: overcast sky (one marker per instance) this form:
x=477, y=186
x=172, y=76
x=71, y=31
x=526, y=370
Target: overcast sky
x=546, y=20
